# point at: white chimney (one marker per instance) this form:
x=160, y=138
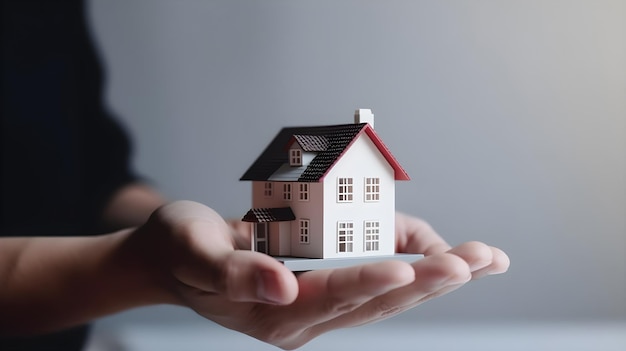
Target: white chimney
x=364, y=115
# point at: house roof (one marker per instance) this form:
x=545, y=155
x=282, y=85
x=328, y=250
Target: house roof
x=310, y=142
x=262, y=215
x=338, y=139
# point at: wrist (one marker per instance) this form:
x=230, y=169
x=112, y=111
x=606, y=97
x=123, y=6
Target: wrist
x=55, y=283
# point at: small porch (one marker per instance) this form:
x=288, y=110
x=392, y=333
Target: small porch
x=272, y=230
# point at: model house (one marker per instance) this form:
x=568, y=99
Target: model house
x=325, y=192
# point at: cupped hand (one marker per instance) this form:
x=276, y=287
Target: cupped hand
x=206, y=266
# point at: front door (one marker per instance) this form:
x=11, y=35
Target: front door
x=261, y=237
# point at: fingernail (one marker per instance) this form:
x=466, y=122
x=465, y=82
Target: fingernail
x=268, y=288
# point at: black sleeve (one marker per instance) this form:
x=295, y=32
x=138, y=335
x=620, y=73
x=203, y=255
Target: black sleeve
x=107, y=162
x=63, y=154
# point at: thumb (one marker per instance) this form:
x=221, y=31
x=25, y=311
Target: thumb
x=240, y=275
x=254, y=277
x=208, y=262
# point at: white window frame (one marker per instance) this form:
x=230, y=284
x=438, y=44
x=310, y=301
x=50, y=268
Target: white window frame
x=295, y=157
x=372, y=189
x=345, y=189
x=268, y=188
x=345, y=236
x=287, y=191
x=371, y=236
x=303, y=191
x=305, y=231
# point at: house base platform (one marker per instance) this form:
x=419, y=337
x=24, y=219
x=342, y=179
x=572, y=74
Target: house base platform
x=299, y=264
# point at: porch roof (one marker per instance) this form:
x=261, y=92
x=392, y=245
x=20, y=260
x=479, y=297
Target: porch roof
x=263, y=215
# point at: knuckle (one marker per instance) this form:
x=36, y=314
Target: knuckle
x=337, y=306
x=384, y=309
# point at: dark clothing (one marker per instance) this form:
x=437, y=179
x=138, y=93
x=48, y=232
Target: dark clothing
x=63, y=155
x=70, y=340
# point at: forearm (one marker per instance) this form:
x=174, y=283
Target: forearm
x=52, y=283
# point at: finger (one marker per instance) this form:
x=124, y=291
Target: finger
x=325, y=294
x=499, y=264
x=482, y=259
x=240, y=275
x=254, y=277
x=246, y=279
x=434, y=275
x=208, y=261
x=414, y=235
x=241, y=233
x=181, y=212
x=476, y=254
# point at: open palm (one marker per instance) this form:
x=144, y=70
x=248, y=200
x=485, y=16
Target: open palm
x=253, y=293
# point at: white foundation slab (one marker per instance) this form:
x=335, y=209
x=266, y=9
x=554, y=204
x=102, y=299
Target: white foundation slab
x=299, y=264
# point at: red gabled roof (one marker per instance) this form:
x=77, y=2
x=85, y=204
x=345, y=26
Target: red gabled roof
x=399, y=172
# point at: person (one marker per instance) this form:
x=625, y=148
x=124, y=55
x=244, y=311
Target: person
x=84, y=237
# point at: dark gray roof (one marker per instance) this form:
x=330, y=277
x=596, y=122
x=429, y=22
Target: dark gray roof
x=312, y=142
x=262, y=215
x=275, y=155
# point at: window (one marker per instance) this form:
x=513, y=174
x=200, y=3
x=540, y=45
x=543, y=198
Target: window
x=371, y=235
x=287, y=191
x=267, y=190
x=372, y=189
x=304, y=231
x=345, y=236
x=295, y=157
x=344, y=190
x=303, y=194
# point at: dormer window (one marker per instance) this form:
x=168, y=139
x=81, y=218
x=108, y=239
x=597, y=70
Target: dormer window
x=295, y=157
x=304, y=148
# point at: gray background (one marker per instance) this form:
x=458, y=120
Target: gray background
x=510, y=117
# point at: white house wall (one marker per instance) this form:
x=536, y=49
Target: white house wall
x=361, y=160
